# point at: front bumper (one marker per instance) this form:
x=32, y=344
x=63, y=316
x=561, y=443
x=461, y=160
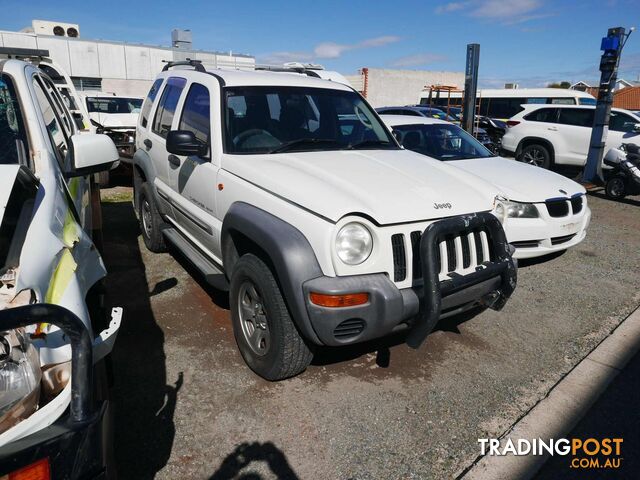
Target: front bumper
x=390, y=309
x=74, y=450
x=535, y=237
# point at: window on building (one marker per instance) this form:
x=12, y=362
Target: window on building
x=167, y=106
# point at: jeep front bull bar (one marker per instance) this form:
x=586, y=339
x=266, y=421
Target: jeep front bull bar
x=81, y=348
x=501, y=265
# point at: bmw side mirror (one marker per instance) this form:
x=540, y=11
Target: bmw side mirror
x=636, y=127
x=184, y=142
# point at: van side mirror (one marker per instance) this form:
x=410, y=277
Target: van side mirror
x=184, y=142
x=89, y=153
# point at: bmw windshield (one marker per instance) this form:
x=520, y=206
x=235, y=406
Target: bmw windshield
x=277, y=119
x=442, y=141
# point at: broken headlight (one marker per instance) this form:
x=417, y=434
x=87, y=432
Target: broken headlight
x=20, y=376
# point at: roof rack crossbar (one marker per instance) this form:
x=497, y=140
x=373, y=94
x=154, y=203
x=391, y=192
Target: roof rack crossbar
x=197, y=64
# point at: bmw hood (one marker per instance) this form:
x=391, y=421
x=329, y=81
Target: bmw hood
x=389, y=186
x=519, y=181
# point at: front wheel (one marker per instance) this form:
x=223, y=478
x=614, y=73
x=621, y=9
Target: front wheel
x=266, y=336
x=615, y=188
x=537, y=155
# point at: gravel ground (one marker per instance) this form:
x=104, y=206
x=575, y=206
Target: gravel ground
x=187, y=407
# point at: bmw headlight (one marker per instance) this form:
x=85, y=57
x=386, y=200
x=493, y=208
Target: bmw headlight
x=507, y=209
x=20, y=376
x=354, y=243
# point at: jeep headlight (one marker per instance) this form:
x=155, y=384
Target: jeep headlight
x=507, y=209
x=354, y=243
x=20, y=376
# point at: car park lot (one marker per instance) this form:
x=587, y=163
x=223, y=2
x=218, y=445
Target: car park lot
x=186, y=405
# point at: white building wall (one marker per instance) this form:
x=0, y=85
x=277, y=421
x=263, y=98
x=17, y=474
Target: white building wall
x=403, y=87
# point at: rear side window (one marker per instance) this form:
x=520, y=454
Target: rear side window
x=196, y=114
x=577, y=117
x=167, y=106
x=548, y=115
x=54, y=126
x=151, y=96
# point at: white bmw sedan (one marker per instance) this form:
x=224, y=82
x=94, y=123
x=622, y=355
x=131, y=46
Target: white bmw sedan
x=542, y=212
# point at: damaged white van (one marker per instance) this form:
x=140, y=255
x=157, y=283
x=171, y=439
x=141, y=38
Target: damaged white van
x=53, y=408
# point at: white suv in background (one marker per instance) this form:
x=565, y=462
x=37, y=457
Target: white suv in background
x=546, y=135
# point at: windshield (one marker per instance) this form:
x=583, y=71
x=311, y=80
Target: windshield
x=275, y=119
x=441, y=141
x=13, y=139
x=114, y=105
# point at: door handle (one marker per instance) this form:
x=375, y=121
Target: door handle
x=173, y=160
x=553, y=129
x=147, y=143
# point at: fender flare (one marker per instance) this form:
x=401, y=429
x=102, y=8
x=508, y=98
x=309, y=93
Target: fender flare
x=287, y=249
x=543, y=141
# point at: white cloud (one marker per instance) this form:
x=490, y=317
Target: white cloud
x=418, y=60
x=327, y=50
x=509, y=12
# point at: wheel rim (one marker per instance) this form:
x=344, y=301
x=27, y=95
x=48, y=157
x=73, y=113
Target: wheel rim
x=146, y=218
x=534, y=156
x=253, y=319
x=616, y=187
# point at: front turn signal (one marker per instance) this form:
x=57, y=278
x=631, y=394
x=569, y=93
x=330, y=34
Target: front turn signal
x=336, y=301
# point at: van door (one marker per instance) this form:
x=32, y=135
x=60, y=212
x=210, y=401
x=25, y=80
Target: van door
x=193, y=178
x=574, y=126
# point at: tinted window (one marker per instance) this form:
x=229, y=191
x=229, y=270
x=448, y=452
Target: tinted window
x=621, y=122
x=501, y=107
x=275, y=119
x=196, y=113
x=51, y=120
x=13, y=138
x=167, y=106
x=151, y=96
x=577, y=117
x=442, y=141
x=587, y=101
x=542, y=115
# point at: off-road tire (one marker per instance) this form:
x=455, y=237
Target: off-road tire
x=151, y=223
x=287, y=353
x=536, y=154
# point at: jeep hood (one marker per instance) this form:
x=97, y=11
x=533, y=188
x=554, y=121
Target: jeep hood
x=115, y=120
x=390, y=186
x=519, y=181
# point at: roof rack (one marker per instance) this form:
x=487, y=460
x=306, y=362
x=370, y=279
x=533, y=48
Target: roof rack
x=291, y=67
x=197, y=64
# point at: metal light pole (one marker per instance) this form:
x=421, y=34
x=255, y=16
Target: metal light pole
x=612, y=46
x=470, y=86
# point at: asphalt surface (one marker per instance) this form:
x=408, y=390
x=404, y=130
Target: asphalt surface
x=186, y=406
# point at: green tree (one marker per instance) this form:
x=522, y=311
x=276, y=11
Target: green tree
x=563, y=84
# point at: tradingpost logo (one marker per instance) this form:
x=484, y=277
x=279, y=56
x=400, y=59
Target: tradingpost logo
x=585, y=453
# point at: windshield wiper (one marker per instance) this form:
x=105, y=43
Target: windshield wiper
x=368, y=143
x=300, y=142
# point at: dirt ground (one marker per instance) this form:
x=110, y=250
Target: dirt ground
x=186, y=406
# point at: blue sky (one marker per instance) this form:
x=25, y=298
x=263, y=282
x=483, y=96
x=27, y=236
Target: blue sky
x=530, y=42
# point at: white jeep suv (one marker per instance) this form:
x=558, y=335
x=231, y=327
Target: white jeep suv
x=288, y=191
x=544, y=135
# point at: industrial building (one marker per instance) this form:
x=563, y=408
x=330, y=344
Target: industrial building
x=111, y=66
x=382, y=87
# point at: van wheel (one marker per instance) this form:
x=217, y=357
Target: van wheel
x=537, y=155
x=267, y=338
x=151, y=223
x=615, y=188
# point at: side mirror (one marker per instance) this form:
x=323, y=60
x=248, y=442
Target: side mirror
x=636, y=127
x=90, y=153
x=184, y=142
